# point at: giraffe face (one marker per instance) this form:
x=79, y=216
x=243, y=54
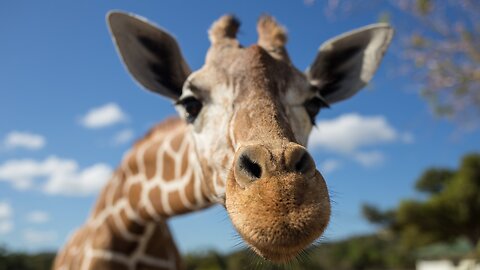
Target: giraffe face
x=259, y=121
x=250, y=112
x=230, y=86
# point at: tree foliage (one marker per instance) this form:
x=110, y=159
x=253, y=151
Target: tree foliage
x=441, y=49
x=445, y=47
x=434, y=180
x=376, y=216
x=451, y=210
x=24, y=261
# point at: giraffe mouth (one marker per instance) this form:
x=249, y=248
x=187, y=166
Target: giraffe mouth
x=281, y=216
x=278, y=256
x=282, y=253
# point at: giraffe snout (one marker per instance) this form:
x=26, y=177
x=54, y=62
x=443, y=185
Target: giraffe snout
x=259, y=161
x=276, y=199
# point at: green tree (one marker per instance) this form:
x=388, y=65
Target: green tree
x=440, y=48
x=450, y=211
x=23, y=261
x=376, y=216
x=434, y=180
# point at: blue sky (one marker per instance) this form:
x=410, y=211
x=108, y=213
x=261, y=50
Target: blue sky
x=58, y=66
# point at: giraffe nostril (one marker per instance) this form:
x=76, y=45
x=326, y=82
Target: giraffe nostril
x=251, y=168
x=303, y=164
x=299, y=160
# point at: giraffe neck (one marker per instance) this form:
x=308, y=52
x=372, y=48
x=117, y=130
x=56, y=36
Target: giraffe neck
x=160, y=177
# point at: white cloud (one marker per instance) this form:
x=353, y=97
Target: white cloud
x=38, y=217
x=62, y=176
x=106, y=115
x=6, y=226
x=6, y=212
x=329, y=165
x=88, y=181
x=369, y=159
x=407, y=137
x=39, y=237
x=349, y=133
x=123, y=137
x=30, y=141
x=22, y=183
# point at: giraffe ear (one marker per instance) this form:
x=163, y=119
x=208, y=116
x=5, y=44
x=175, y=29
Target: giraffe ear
x=151, y=55
x=345, y=64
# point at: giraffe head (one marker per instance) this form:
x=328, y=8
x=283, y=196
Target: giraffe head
x=250, y=112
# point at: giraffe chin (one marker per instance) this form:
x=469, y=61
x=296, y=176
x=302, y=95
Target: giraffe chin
x=279, y=217
x=281, y=254
x=278, y=256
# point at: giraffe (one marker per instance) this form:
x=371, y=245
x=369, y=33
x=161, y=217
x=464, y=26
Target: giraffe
x=240, y=141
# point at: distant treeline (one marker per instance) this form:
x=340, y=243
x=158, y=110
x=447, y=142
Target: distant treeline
x=25, y=261
x=363, y=252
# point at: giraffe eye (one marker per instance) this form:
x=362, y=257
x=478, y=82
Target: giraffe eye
x=313, y=106
x=192, y=107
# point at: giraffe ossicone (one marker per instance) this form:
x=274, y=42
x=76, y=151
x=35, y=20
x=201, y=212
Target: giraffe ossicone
x=240, y=141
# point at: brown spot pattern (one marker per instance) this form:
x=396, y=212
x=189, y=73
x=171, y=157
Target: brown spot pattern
x=177, y=142
x=155, y=198
x=150, y=159
x=169, y=168
x=132, y=226
x=118, y=191
x=134, y=194
x=176, y=203
x=103, y=237
x=190, y=190
x=132, y=164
